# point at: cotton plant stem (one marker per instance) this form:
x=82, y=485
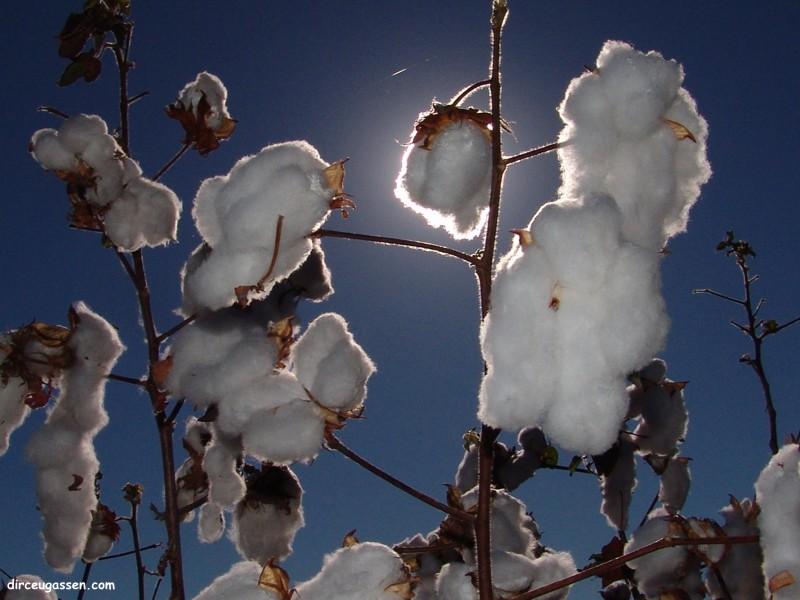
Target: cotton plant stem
x=138, y=276
x=126, y=379
x=133, y=521
x=171, y=162
x=468, y=91
x=335, y=444
x=484, y=273
x=392, y=241
x=615, y=563
x=130, y=552
x=87, y=569
x=173, y=330
x=510, y=160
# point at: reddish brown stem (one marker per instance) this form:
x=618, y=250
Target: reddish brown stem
x=391, y=241
x=173, y=330
x=467, y=91
x=335, y=444
x=169, y=164
x=615, y=563
x=509, y=160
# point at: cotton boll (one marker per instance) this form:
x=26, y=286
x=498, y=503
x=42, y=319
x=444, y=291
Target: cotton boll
x=62, y=451
x=675, y=482
x=239, y=583
x=617, y=486
x=511, y=529
x=448, y=182
x=13, y=410
x=455, y=582
x=261, y=394
x=225, y=486
x=524, y=464
x=103, y=533
x=20, y=593
x=51, y=153
x=621, y=144
x=211, y=87
x=778, y=493
x=292, y=432
x=331, y=365
x=211, y=524
x=665, y=569
x=238, y=216
x=741, y=566
x=145, y=215
x=263, y=531
x=664, y=419
x=360, y=572
x=76, y=133
x=551, y=567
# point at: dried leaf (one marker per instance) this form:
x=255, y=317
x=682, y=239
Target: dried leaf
x=52, y=336
x=282, y=333
x=276, y=580
x=454, y=497
x=780, y=581
x=334, y=176
x=441, y=116
x=404, y=589
x=612, y=550
x=350, y=539
x=343, y=203
x=525, y=237
x=680, y=131
x=673, y=387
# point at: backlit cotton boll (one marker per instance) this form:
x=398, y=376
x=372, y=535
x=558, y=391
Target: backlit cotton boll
x=778, y=494
x=285, y=186
x=239, y=583
x=367, y=571
x=631, y=131
x=146, y=214
x=573, y=312
x=13, y=410
x=446, y=171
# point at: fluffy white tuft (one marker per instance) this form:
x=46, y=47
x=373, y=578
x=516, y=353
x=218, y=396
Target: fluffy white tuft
x=239, y=583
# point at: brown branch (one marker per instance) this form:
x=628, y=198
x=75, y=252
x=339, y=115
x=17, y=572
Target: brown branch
x=615, y=563
x=392, y=241
x=134, y=500
x=129, y=552
x=185, y=510
x=467, y=91
x=53, y=111
x=127, y=266
x=175, y=410
x=125, y=379
x=169, y=164
x=173, y=330
x=785, y=325
x=137, y=97
x=275, y=252
x=718, y=295
x=335, y=444
x=87, y=569
x=510, y=160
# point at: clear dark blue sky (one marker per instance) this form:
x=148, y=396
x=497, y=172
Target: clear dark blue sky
x=323, y=71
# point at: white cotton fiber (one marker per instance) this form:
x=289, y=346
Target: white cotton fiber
x=360, y=572
x=13, y=410
x=616, y=141
x=39, y=593
x=572, y=314
x=778, y=495
x=448, y=182
x=286, y=434
x=239, y=583
x=263, y=531
x=331, y=365
x=675, y=482
x=617, y=487
x=237, y=216
x=146, y=214
x=211, y=87
x=741, y=566
x=511, y=530
x=211, y=524
x=225, y=486
x=62, y=450
x=455, y=582
x=664, y=418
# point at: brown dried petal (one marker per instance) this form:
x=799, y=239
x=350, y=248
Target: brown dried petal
x=276, y=580
x=681, y=131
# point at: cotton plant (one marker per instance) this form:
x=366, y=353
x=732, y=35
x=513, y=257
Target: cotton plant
x=446, y=170
x=106, y=188
x=256, y=221
x=62, y=451
x=778, y=494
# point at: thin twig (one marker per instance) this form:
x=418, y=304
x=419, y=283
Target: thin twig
x=127, y=266
x=155, y=590
x=87, y=569
x=335, y=444
x=275, y=252
x=392, y=241
x=570, y=469
x=169, y=164
x=650, y=508
x=615, y=563
x=173, y=330
x=510, y=160
x=412, y=550
x=133, y=99
x=129, y=552
x=175, y=410
x=726, y=593
x=137, y=549
x=185, y=510
x=53, y=111
x=467, y=91
x=718, y=295
x=125, y=379
x=785, y=325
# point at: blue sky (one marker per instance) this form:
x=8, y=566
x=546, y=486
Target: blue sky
x=323, y=71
